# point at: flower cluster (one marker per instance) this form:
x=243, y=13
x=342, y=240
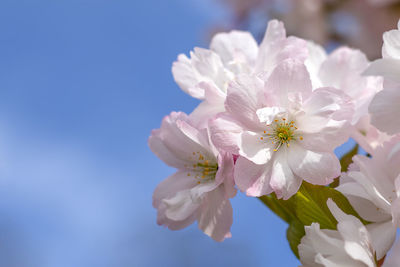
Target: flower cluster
x=270, y=117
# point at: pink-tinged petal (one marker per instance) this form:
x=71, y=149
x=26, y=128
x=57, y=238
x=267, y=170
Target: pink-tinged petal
x=367, y=209
x=235, y=48
x=157, y=146
x=255, y=148
x=274, y=36
x=171, y=224
x=343, y=69
x=316, y=56
x=355, y=235
x=386, y=67
x=175, y=143
x=181, y=205
x=317, y=243
x=209, y=65
x=200, y=137
x=244, y=99
x=321, y=135
x=324, y=123
x=187, y=77
x=212, y=94
x=214, y=100
x=204, y=112
x=198, y=191
x=283, y=181
x=215, y=219
x=276, y=48
x=171, y=186
x=373, y=192
x=387, y=154
x=383, y=236
x=169, y=191
x=385, y=109
x=289, y=81
x=375, y=180
x=204, y=66
x=251, y=178
x=225, y=174
x=225, y=133
x=314, y=167
x=329, y=103
x=391, y=44
x=368, y=136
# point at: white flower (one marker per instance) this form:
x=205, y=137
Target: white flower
x=207, y=73
x=283, y=130
x=385, y=108
x=201, y=187
x=372, y=186
x=349, y=246
x=343, y=69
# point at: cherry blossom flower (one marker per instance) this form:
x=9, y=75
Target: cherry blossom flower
x=372, y=185
x=343, y=69
x=385, y=108
x=201, y=187
x=349, y=246
x=207, y=73
x=282, y=130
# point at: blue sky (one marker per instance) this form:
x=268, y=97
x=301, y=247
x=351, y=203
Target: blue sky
x=82, y=83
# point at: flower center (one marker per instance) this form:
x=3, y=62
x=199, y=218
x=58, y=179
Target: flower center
x=281, y=132
x=203, y=170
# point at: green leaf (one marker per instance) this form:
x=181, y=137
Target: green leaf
x=308, y=205
x=294, y=234
x=347, y=159
x=285, y=209
x=311, y=205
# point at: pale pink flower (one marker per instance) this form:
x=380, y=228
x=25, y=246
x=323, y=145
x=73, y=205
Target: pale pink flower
x=349, y=246
x=283, y=130
x=201, y=187
x=343, y=69
x=372, y=185
x=385, y=108
x=207, y=73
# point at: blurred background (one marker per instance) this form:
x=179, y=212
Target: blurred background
x=83, y=82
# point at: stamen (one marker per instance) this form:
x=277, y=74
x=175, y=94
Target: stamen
x=281, y=132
